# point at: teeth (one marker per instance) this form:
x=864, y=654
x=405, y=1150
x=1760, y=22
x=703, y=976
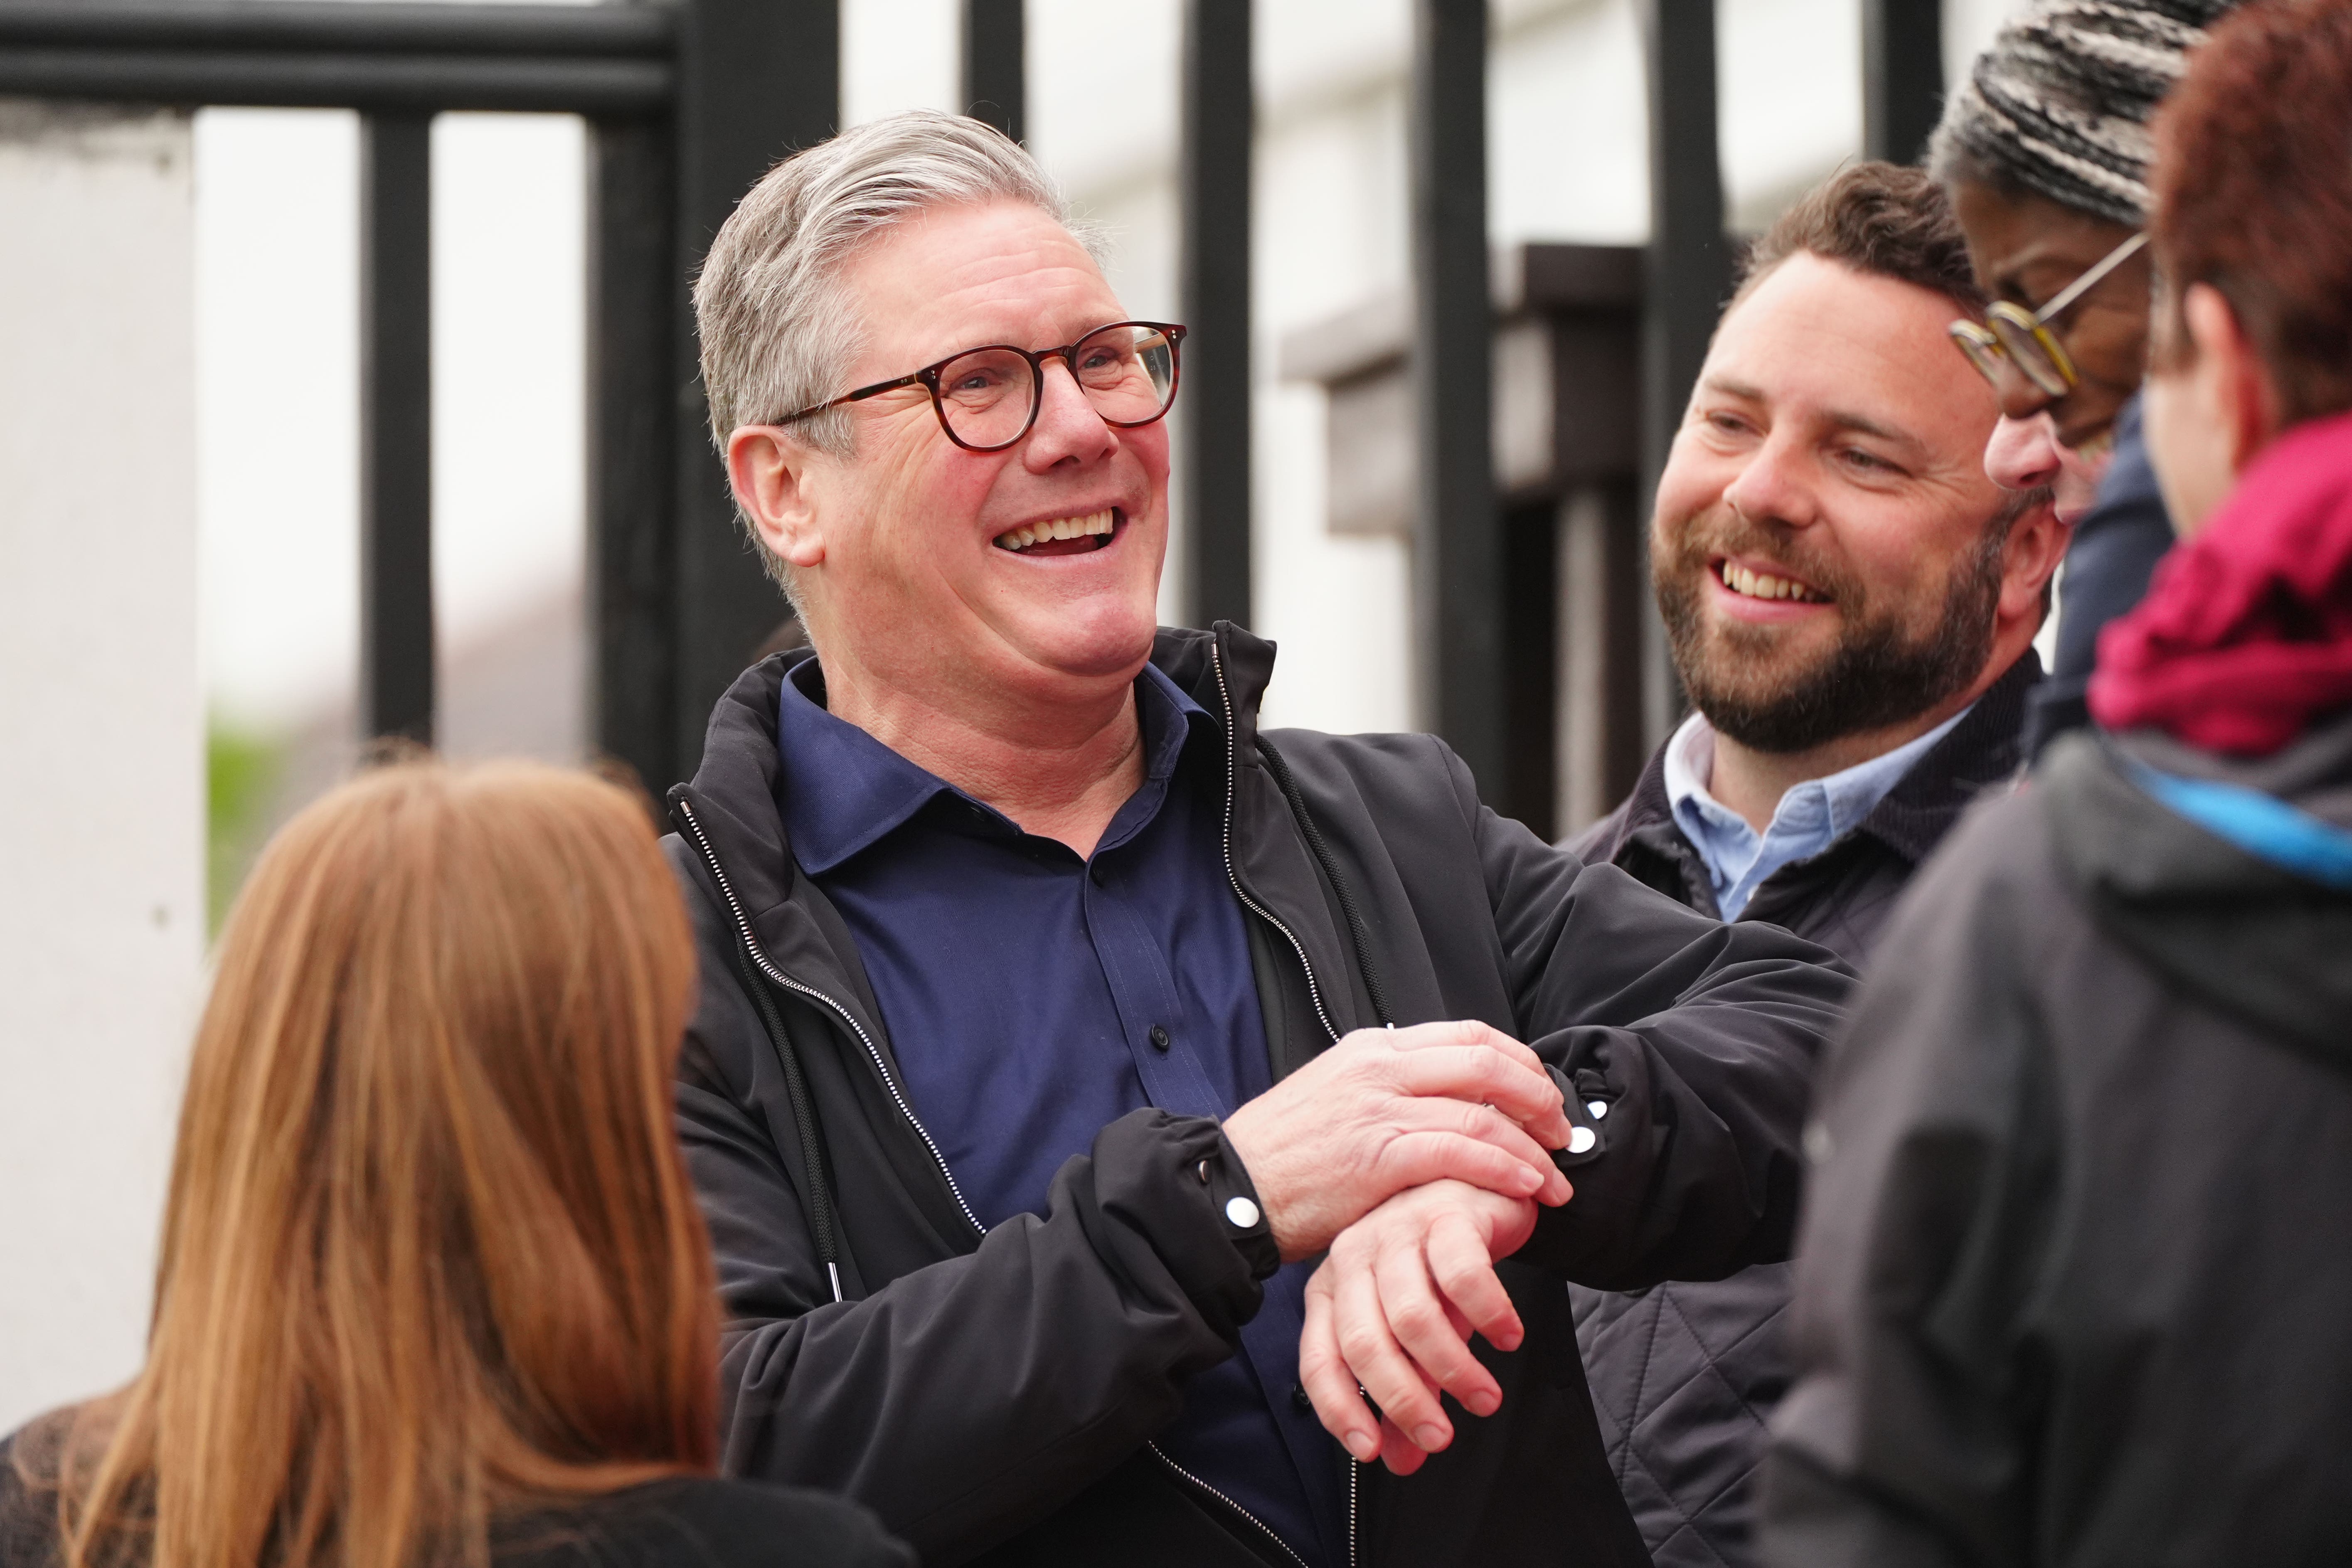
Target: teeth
x=1764, y=585
x=1032, y=533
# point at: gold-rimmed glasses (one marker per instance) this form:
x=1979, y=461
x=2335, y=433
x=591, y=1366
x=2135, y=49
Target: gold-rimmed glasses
x=2024, y=339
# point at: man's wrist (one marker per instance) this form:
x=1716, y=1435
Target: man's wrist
x=1239, y=1211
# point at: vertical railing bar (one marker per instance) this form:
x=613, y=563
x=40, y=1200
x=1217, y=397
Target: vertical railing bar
x=1688, y=275
x=756, y=80
x=1219, y=119
x=1901, y=77
x=396, y=654
x=632, y=601
x=1457, y=589
x=995, y=65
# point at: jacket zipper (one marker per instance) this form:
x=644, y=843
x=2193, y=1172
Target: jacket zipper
x=1161, y=1455
x=758, y=956
x=1315, y=994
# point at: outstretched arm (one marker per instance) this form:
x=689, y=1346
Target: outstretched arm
x=1698, y=1039
x=1685, y=1048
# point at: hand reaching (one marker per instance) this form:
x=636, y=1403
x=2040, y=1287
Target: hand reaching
x=1392, y=1309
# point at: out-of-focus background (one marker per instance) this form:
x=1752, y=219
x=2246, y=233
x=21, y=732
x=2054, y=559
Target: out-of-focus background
x=180, y=474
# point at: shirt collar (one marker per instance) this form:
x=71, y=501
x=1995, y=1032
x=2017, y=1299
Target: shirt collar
x=1845, y=797
x=840, y=790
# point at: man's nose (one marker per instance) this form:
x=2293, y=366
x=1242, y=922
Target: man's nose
x=1068, y=428
x=1772, y=488
x=2023, y=452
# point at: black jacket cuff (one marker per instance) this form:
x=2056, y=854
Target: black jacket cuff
x=1239, y=1208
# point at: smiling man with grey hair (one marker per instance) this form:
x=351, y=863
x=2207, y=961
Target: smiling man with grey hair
x=1039, y=1052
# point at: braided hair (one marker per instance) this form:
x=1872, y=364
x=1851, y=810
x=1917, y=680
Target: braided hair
x=2059, y=104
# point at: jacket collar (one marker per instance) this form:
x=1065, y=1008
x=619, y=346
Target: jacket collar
x=1983, y=750
x=735, y=789
x=841, y=790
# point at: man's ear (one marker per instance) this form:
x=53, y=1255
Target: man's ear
x=2037, y=543
x=777, y=479
x=2233, y=386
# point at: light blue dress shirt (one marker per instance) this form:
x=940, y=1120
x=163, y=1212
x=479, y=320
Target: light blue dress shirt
x=1810, y=817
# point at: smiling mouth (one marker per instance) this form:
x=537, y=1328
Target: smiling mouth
x=1751, y=584
x=1063, y=535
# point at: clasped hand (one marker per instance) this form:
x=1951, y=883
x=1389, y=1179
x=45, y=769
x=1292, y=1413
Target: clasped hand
x=1386, y=1110
x=1416, y=1157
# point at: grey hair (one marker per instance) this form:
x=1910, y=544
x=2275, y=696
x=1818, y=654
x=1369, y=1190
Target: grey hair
x=778, y=330
x=2059, y=104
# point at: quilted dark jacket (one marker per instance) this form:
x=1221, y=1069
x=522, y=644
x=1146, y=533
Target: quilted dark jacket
x=1684, y=1375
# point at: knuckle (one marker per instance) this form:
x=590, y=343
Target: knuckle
x=1359, y=1344
x=1415, y=1321
x=1457, y=1274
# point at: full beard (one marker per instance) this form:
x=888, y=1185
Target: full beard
x=1878, y=673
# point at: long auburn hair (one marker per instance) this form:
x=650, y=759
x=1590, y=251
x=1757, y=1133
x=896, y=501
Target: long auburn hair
x=430, y=1256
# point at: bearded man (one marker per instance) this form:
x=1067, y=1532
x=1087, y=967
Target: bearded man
x=1850, y=603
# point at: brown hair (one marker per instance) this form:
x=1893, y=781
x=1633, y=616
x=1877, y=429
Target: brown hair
x=1882, y=219
x=2253, y=195
x=429, y=1253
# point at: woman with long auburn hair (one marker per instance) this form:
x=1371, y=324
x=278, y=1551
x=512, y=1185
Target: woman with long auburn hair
x=433, y=1291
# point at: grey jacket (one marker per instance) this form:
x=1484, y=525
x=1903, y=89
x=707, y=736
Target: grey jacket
x=1684, y=1376
x=2072, y=1279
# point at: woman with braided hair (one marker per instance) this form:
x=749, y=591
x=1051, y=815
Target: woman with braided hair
x=2044, y=151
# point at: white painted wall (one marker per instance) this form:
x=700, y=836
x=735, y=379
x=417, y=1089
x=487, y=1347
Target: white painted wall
x=101, y=732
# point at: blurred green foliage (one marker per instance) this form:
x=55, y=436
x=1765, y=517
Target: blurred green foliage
x=241, y=774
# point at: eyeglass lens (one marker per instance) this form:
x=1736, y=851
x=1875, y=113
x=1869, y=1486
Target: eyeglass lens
x=2031, y=356
x=1128, y=373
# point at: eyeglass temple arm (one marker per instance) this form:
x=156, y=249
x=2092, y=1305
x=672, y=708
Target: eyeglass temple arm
x=2090, y=280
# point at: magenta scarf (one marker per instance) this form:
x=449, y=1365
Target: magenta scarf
x=2245, y=637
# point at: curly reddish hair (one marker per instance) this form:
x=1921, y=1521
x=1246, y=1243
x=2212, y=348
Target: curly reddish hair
x=2253, y=195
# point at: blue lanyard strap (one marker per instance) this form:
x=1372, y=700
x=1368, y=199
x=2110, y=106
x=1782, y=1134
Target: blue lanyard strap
x=2262, y=824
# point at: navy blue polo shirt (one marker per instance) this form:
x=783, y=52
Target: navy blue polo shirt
x=1033, y=997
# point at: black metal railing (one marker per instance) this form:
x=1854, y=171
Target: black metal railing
x=689, y=101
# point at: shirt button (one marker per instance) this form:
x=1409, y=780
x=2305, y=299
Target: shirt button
x=1159, y=1041
x=1300, y=1400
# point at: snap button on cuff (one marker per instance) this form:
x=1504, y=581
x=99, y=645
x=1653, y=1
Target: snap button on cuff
x=1241, y=1213
x=1581, y=1140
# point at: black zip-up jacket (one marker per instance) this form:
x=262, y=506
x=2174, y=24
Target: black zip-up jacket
x=1684, y=1376
x=995, y=1396
x=2073, y=1279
